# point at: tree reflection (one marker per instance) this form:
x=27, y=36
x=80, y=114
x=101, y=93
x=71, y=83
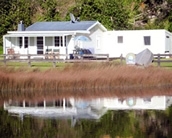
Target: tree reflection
x=131, y=123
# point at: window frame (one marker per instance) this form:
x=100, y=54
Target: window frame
x=26, y=42
x=20, y=40
x=58, y=41
x=120, y=39
x=40, y=45
x=147, y=40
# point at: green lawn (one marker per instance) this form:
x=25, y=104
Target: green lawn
x=42, y=66
x=34, y=65
x=1, y=50
x=164, y=64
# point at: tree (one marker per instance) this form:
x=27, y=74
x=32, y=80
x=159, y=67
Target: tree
x=13, y=12
x=110, y=13
x=4, y=24
x=49, y=10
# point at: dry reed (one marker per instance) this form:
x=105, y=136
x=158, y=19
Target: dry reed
x=85, y=80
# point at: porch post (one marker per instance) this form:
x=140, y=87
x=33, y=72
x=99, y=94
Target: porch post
x=43, y=44
x=44, y=103
x=10, y=42
x=4, y=49
x=23, y=43
x=28, y=41
x=4, y=45
x=73, y=39
x=64, y=46
x=24, y=103
x=64, y=102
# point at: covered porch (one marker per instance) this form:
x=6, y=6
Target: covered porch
x=37, y=43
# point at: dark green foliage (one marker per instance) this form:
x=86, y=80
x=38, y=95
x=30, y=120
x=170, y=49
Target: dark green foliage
x=4, y=24
x=111, y=14
x=50, y=12
x=14, y=12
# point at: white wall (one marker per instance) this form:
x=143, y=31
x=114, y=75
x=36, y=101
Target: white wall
x=11, y=42
x=32, y=45
x=6, y=44
x=157, y=102
x=96, y=37
x=70, y=45
x=133, y=42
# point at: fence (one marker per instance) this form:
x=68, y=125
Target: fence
x=158, y=58
x=161, y=58
x=54, y=58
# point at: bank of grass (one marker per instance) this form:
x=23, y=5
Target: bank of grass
x=60, y=65
x=42, y=66
x=85, y=80
x=1, y=50
x=167, y=65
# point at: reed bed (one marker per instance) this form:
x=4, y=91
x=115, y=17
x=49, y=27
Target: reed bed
x=86, y=81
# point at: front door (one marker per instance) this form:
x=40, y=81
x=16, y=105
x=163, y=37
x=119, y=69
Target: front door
x=40, y=45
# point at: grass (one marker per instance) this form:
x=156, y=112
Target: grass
x=1, y=50
x=42, y=66
x=165, y=64
x=85, y=80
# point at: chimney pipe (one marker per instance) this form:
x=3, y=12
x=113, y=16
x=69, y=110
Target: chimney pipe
x=21, y=26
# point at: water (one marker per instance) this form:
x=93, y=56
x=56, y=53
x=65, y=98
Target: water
x=92, y=118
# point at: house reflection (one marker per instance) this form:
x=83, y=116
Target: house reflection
x=85, y=109
x=60, y=108
x=147, y=103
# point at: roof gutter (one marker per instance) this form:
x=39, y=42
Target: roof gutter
x=49, y=32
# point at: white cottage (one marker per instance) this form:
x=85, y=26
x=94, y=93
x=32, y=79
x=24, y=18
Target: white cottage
x=58, y=37
x=123, y=42
x=43, y=37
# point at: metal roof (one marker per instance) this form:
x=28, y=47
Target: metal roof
x=61, y=26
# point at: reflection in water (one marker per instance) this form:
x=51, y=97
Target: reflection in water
x=80, y=108
x=114, y=117
x=61, y=108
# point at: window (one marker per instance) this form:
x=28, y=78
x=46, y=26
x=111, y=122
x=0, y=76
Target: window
x=26, y=42
x=32, y=41
x=168, y=44
x=120, y=39
x=20, y=41
x=147, y=40
x=39, y=45
x=58, y=41
x=147, y=99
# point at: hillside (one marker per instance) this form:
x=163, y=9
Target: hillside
x=117, y=15
x=61, y=8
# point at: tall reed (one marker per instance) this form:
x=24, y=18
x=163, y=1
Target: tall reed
x=85, y=80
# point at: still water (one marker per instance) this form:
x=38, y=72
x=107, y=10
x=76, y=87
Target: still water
x=145, y=117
